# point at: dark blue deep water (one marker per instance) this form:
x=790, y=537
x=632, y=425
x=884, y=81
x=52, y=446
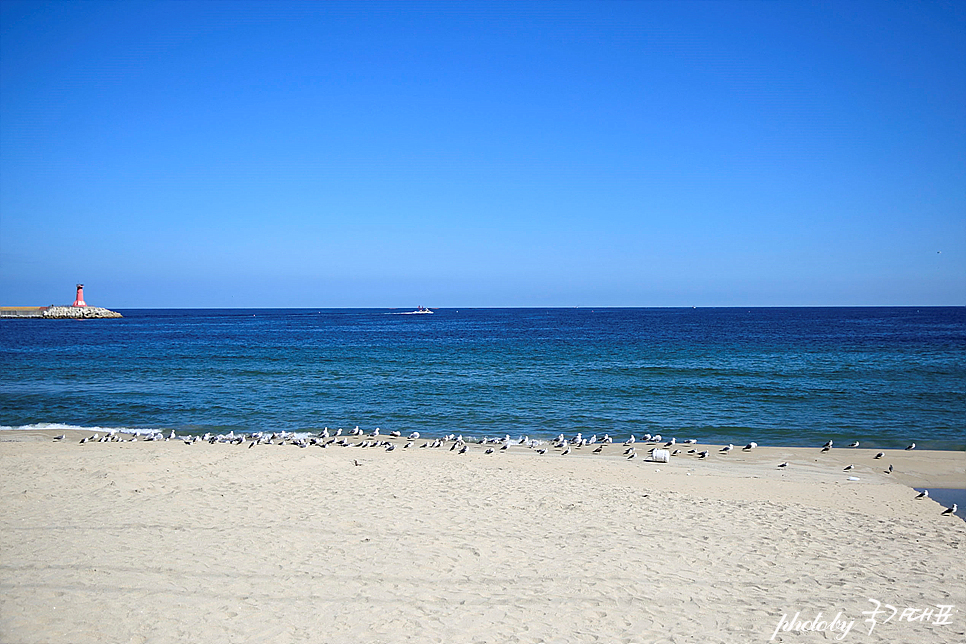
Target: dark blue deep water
x=788, y=376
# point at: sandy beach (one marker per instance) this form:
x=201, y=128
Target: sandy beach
x=168, y=542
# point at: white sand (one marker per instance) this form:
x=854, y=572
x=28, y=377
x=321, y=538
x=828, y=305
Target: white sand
x=165, y=542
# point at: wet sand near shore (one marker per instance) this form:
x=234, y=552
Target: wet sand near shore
x=163, y=541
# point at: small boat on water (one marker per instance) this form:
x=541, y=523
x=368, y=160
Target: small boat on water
x=420, y=310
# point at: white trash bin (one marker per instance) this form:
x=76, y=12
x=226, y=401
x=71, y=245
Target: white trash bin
x=661, y=456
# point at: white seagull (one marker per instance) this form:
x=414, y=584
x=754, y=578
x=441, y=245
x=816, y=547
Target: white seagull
x=911, y=446
x=855, y=444
x=951, y=510
x=923, y=494
x=727, y=448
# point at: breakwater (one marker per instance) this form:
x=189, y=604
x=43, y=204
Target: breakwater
x=57, y=312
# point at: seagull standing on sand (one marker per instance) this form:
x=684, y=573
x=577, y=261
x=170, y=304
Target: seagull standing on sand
x=951, y=510
x=750, y=446
x=785, y=464
x=727, y=448
x=924, y=494
x=880, y=455
x=848, y=467
x=911, y=446
x=855, y=444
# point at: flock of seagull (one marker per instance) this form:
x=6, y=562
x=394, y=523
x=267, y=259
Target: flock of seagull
x=357, y=438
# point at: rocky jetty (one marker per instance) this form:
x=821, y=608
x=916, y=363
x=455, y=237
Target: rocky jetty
x=78, y=312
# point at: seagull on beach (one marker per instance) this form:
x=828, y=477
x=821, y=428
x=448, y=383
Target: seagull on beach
x=703, y=454
x=848, y=467
x=750, y=446
x=922, y=495
x=880, y=455
x=727, y=448
x=951, y=510
x=60, y=438
x=911, y=446
x=633, y=455
x=889, y=471
x=854, y=444
x=827, y=446
x=785, y=464
x=599, y=449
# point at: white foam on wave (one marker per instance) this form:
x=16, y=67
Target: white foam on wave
x=137, y=431
x=64, y=426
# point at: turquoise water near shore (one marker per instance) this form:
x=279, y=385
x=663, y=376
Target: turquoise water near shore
x=780, y=376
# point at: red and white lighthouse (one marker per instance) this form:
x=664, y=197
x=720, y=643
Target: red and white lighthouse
x=80, y=296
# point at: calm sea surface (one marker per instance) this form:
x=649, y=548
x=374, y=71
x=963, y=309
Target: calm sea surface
x=788, y=376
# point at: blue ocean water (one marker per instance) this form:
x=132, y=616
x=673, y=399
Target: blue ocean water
x=780, y=376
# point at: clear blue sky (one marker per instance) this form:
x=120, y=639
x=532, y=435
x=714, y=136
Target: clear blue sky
x=272, y=154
